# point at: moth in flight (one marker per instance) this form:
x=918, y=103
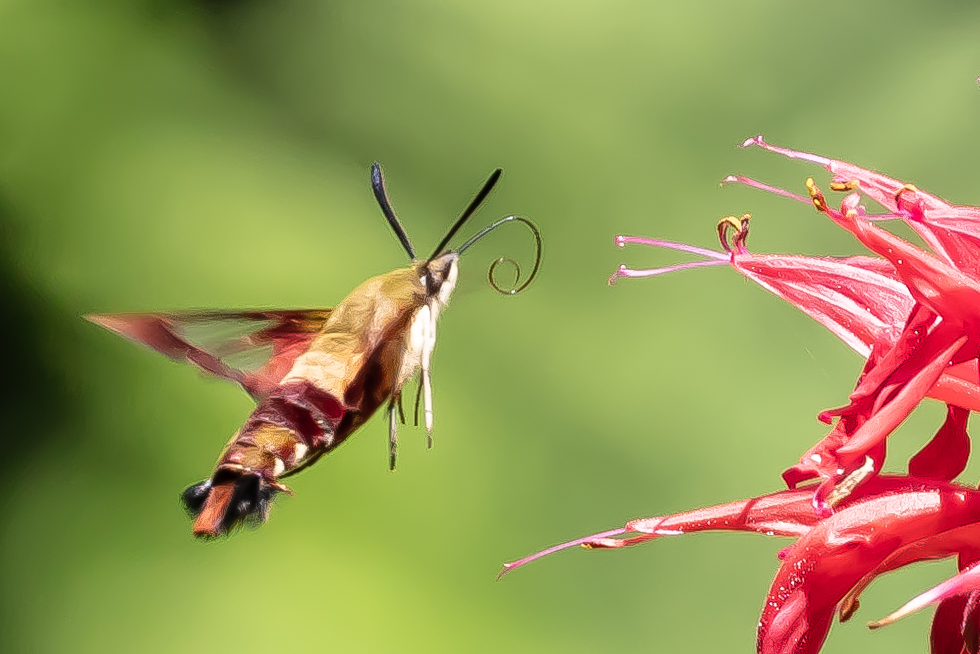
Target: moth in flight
x=315, y=374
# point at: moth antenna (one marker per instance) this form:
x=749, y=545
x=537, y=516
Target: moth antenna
x=493, y=267
x=381, y=194
x=470, y=210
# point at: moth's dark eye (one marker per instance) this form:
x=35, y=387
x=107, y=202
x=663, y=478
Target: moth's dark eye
x=432, y=282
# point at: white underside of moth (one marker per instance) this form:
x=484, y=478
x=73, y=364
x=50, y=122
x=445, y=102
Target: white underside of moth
x=420, y=341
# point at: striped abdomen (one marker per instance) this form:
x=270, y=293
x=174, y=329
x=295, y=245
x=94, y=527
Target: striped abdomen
x=292, y=427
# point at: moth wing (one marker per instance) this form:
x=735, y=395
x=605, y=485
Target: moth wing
x=252, y=348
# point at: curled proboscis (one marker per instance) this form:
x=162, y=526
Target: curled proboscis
x=517, y=287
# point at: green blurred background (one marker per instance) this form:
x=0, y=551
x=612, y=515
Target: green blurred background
x=161, y=155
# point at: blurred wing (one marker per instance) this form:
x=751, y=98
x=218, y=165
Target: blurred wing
x=253, y=348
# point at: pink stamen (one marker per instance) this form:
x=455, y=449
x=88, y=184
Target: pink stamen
x=748, y=181
x=623, y=271
x=557, y=548
x=621, y=241
x=717, y=258
x=962, y=583
x=792, y=154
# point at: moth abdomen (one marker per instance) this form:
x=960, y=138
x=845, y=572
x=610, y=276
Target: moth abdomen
x=293, y=426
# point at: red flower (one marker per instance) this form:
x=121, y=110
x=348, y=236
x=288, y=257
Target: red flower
x=941, y=330
x=915, y=317
x=885, y=523
x=910, y=313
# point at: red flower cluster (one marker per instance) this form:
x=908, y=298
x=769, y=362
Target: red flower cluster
x=915, y=317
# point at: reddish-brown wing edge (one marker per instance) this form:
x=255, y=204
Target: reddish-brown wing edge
x=289, y=332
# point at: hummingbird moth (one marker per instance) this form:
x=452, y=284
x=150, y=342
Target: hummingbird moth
x=316, y=374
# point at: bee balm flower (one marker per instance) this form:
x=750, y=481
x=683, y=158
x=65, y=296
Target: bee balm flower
x=915, y=317
x=909, y=313
x=887, y=522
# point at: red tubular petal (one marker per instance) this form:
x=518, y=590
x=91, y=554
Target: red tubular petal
x=970, y=627
x=946, y=455
x=795, y=629
x=785, y=513
x=917, y=325
x=922, y=213
x=953, y=232
x=859, y=299
x=884, y=421
x=820, y=460
x=880, y=188
x=834, y=556
x=958, y=386
x=954, y=237
x=944, y=289
x=946, y=635
x=935, y=546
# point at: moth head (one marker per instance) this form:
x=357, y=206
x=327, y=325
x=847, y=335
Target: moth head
x=439, y=276
x=438, y=273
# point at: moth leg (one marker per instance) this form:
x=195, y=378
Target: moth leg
x=394, y=407
x=428, y=343
x=418, y=401
x=401, y=410
x=426, y=386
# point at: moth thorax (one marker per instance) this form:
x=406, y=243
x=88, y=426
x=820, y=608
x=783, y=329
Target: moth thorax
x=420, y=337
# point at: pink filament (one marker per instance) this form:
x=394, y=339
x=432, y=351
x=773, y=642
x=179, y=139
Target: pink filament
x=748, y=181
x=717, y=258
x=557, y=548
x=792, y=154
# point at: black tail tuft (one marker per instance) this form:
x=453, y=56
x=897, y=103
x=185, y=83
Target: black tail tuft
x=194, y=497
x=221, y=506
x=250, y=501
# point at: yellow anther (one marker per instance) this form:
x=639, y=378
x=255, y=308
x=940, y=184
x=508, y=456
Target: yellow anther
x=729, y=221
x=907, y=188
x=816, y=196
x=726, y=223
x=848, y=607
x=842, y=187
x=740, y=225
